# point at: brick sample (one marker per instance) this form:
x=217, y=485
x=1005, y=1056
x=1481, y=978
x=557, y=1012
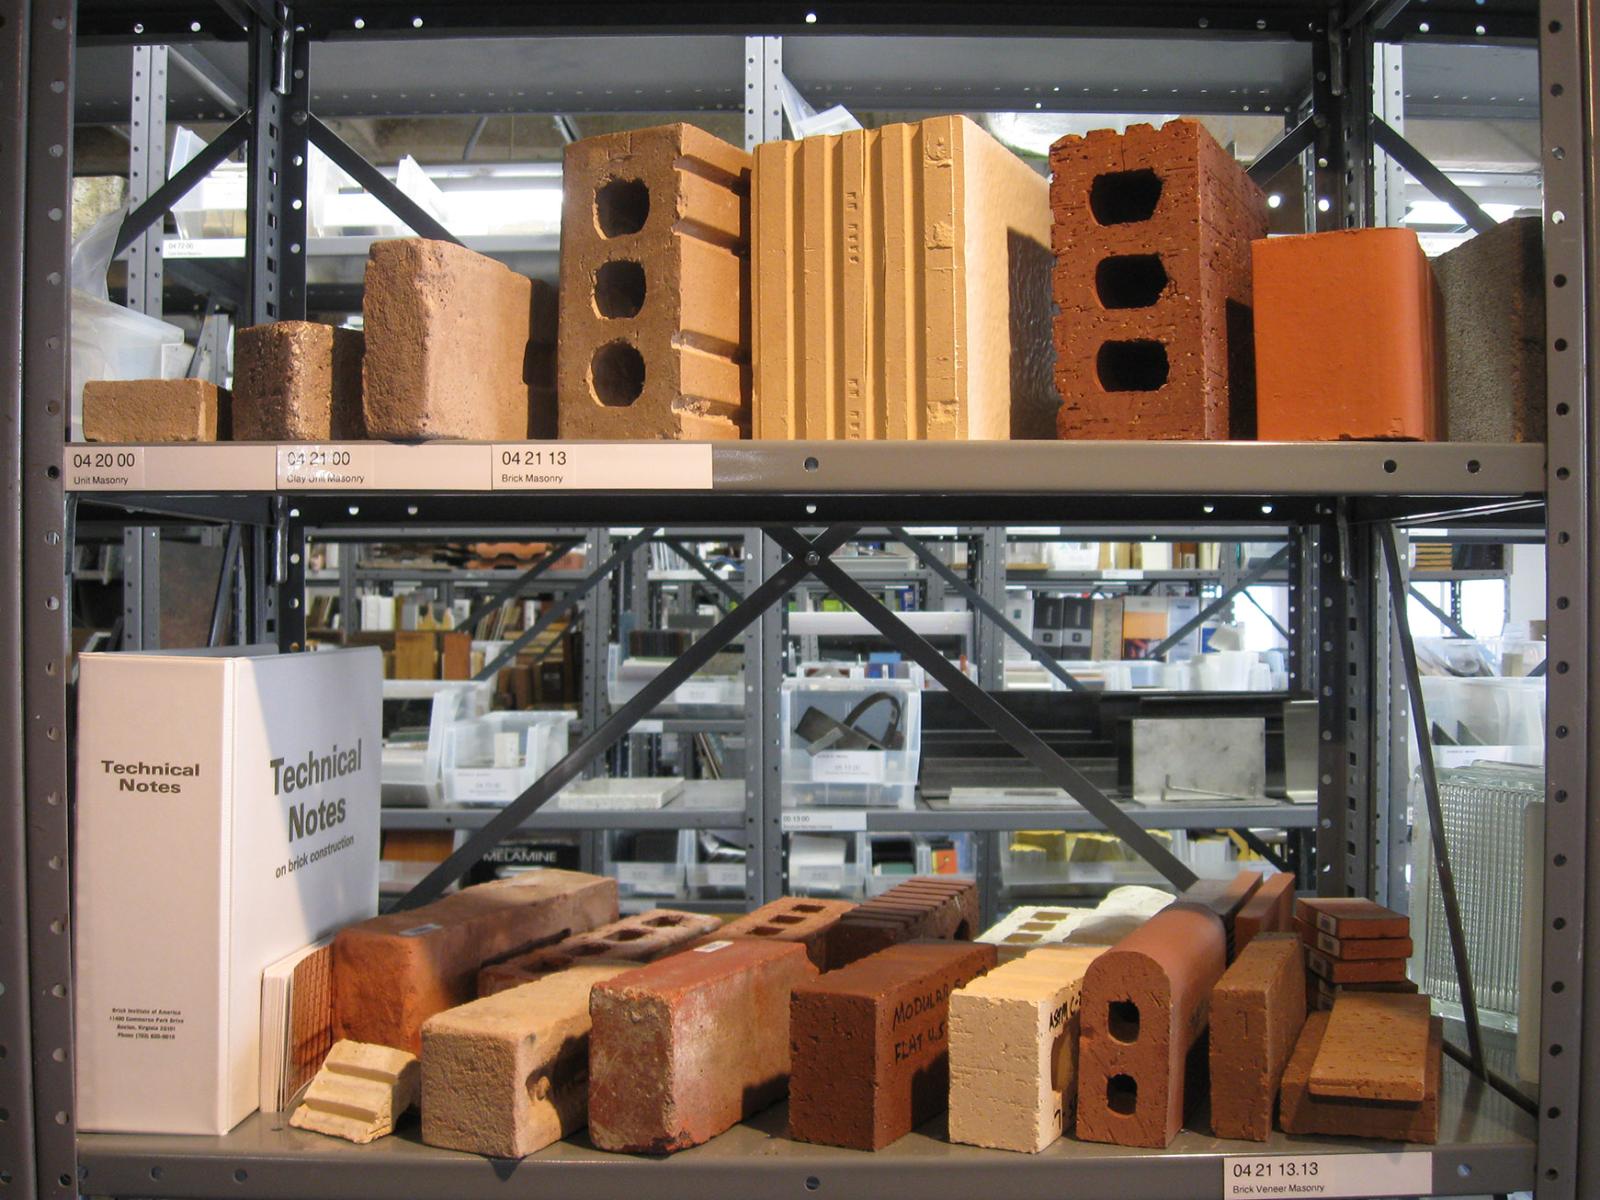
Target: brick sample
x=1301, y=1112
x=1269, y=910
x=1224, y=897
x=686, y=1047
x=1322, y=993
x=901, y=287
x=1347, y=338
x=1014, y=1050
x=359, y=1093
x=1492, y=288
x=1351, y=917
x=153, y=410
x=1372, y=970
x=1375, y=1048
x=1257, y=1009
x=637, y=939
x=1353, y=948
x=1145, y=1006
x=870, y=1043
x=509, y=1074
x=792, y=919
x=394, y=971
x=928, y=906
x=297, y=381
x=655, y=278
x=452, y=344
x=1152, y=284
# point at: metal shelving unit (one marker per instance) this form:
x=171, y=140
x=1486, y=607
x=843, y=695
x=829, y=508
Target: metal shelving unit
x=1310, y=64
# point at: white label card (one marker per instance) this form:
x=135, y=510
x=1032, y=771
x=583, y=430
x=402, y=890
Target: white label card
x=724, y=875
x=1122, y=573
x=600, y=466
x=93, y=468
x=1268, y=1176
x=712, y=947
x=486, y=783
x=848, y=766
x=699, y=691
x=346, y=466
x=814, y=820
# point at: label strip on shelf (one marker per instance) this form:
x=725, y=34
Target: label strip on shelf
x=1271, y=1176
x=815, y=820
x=97, y=467
x=609, y=467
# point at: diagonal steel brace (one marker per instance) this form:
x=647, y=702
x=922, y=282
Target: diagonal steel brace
x=1216, y=606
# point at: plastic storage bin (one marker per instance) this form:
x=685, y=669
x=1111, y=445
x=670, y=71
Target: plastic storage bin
x=493, y=759
x=412, y=769
x=626, y=678
x=851, y=742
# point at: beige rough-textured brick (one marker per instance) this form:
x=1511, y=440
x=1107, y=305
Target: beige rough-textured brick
x=509, y=1074
x=901, y=287
x=360, y=1092
x=153, y=410
x=297, y=381
x=1014, y=1050
x=655, y=328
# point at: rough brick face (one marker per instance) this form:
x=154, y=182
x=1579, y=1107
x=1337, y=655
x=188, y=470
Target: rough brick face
x=1351, y=917
x=1347, y=338
x=1269, y=910
x=792, y=919
x=394, y=971
x=297, y=381
x=1152, y=284
x=452, y=344
x=655, y=327
x=636, y=939
x=901, y=287
x=686, y=1047
x=1375, y=1048
x=153, y=410
x=1257, y=1010
x=928, y=906
x=1302, y=1113
x=1014, y=1050
x=871, y=1041
x=509, y=1074
x=1145, y=1006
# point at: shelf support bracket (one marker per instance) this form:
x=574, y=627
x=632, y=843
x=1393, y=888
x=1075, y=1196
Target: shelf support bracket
x=1205, y=614
x=1429, y=176
x=518, y=585
x=699, y=565
x=182, y=182
x=348, y=160
x=1444, y=618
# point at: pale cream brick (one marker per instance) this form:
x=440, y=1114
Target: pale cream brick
x=360, y=1092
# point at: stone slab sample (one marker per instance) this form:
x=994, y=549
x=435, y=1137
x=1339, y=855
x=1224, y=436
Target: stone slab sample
x=927, y=906
x=153, y=410
x=394, y=971
x=1300, y=1112
x=655, y=281
x=686, y=1047
x=1145, y=1006
x=1492, y=287
x=1152, y=284
x=1348, y=344
x=1351, y=917
x=1257, y=1010
x=297, y=381
x=509, y=1074
x=1353, y=948
x=1014, y=1050
x=1375, y=1048
x=901, y=287
x=1371, y=970
x=636, y=939
x=792, y=919
x=451, y=344
x=359, y=1093
x=870, y=1043
x=1269, y=910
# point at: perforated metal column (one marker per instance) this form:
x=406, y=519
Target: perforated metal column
x=147, y=171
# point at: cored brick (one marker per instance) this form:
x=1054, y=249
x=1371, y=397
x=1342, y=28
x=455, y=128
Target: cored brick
x=686, y=1047
x=636, y=939
x=1353, y=948
x=394, y=971
x=452, y=344
x=1375, y=1048
x=1371, y=970
x=870, y=1043
x=1269, y=910
x=655, y=279
x=1347, y=338
x=1014, y=1050
x=1145, y=1007
x=1352, y=917
x=153, y=410
x=1257, y=1009
x=929, y=906
x=297, y=381
x=1302, y=1113
x=509, y=1074
x=1152, y=284
x=792, y=919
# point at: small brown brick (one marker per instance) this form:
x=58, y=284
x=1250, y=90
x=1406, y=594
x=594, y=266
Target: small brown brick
x=1152, y=284
x=871, y=1043
x=637, y=939
x=1372, y=970
x=1322, y=994
x=1351, y=949
x=792, y=919
x=655, y=279
x=152, y=410
x=1375, y=1048
x=452, y=344
x=297, y=381
x=1270, y=910
x=928, y=906
x=394, y=971
x=1257, y=1009
x=688, y=1046
x=1301, y=1113
x=1351, y=917
x=1145, y=1006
